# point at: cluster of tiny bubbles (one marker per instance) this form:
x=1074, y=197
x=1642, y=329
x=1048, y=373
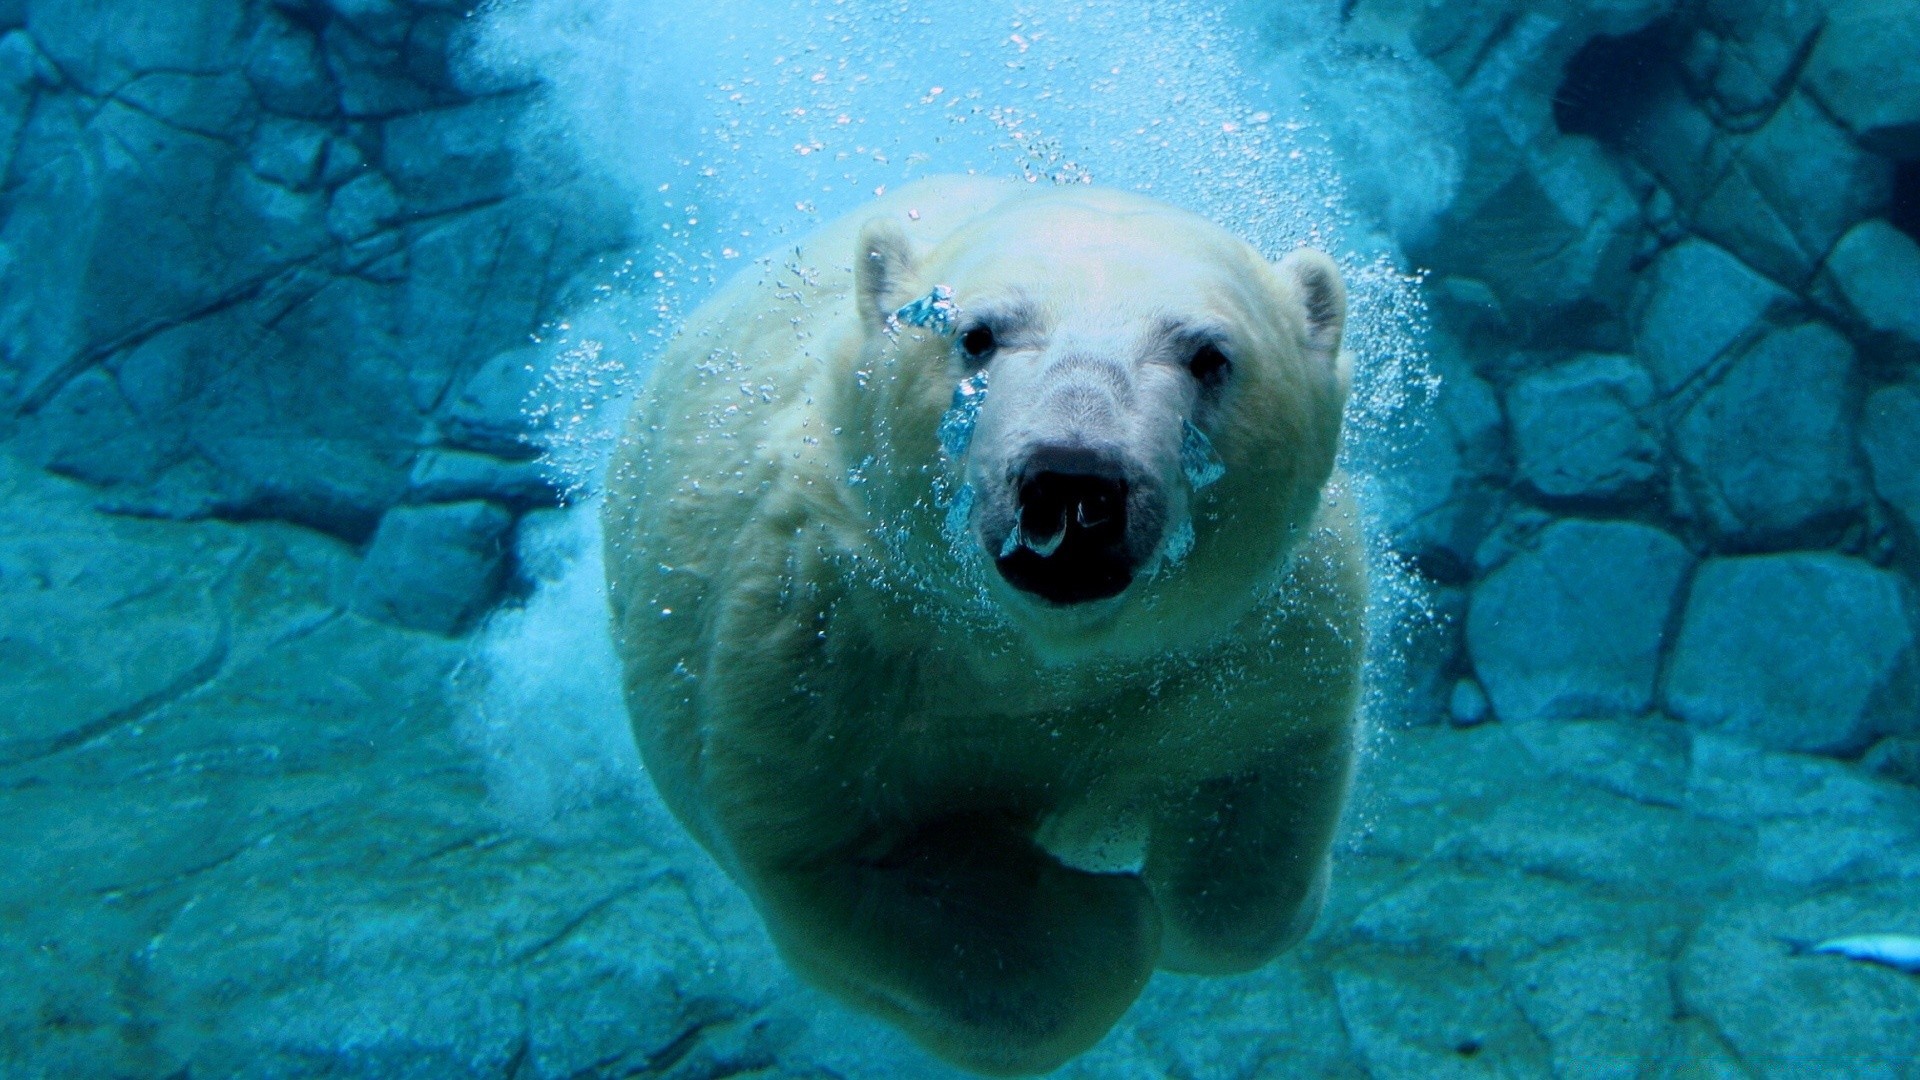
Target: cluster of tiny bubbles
x=956, y=435
x=762, y=119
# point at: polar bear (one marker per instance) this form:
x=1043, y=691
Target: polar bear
x=988, y=609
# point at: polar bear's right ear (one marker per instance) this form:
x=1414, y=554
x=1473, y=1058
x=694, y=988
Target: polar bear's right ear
x=882, y=270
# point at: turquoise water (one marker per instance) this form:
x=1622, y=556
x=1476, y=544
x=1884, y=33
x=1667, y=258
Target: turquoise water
x=320, y=320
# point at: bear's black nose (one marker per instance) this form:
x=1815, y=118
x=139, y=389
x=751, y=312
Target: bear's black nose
x=1070, y=543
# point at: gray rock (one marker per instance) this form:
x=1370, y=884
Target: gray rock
x=23, y=72
x=218, y=105
x=1795, y=186
x=1646, y=760
x=455, y=475
x=1896, y=758
x=384, y=22
x=1677, y=141
x=1559, y=234
x=1805, y=651
x=1772, y=1005
x=1764, y=453
x=491, y=412
x=452, y=157
x=99, y=628
x=1890, y=435
x=1468, y=704
x=1441, y=495
x=1863, y=72
x=1432, y=1017
x=1573, y=627
x=363, y=206
x=434, y=567
x=89, y=431
x=1744, y=56
x=102, y=45
x=1870, y=277
x=372, y=77
x=1583, y=431
x=290, y=153
x=287, y=71
x=1603, y=1008
x=1815, y=822
x=1695, y=302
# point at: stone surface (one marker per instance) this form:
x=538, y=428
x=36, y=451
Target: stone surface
x=1896, y=757
x=1764, y=451
x=1862, y=71
x=1744, y=56
x=1870, y=277
x=1804, y=651
x=1442, y=495
x=1793, y=188
x=1467, y=705
x=1694, y=303
x=434, y=567
x=1574, y=626
x=491, y=412
x=304, y=863
x=224, y=295
x=1557, y=234
x=1583, y=430
x=1890, y=435
x=457, y=475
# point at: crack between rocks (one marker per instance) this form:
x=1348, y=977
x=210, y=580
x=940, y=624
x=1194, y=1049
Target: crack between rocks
x=144, y=889
x=193, y=679
x=1487, y=48
x=585, y=915
x=169, y=122
x=56, y=380
x=481, y=842
x=522, y=1052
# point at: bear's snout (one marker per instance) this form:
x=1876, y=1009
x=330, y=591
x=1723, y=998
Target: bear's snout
x=1070, y=540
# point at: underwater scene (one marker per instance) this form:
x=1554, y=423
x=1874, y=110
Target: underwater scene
x=854, y=539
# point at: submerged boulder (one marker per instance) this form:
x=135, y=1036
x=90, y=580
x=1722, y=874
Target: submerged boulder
x=1583, y=430
x=1807, y=651
x=1765, y=453
x=1890, y=435
x=1694, y=303
x=1872, y=277
x=1573, y=627
x=1864, y=72
x=435, y=567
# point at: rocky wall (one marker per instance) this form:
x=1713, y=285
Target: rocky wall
x=281, y=260
x=1676, y=294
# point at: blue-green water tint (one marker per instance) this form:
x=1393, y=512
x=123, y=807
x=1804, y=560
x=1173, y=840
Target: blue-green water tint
x=313, y=755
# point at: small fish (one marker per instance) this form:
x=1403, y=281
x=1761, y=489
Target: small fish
x=1898, y=951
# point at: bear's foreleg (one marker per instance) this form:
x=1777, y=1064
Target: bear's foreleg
x=979, y=944
x=1239, y=865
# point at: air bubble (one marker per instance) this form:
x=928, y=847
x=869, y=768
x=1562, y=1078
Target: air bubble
x=1199, y=460
x=935, y=311
x=956, y=425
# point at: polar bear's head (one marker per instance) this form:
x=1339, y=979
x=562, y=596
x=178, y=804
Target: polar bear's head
x=1121, y=343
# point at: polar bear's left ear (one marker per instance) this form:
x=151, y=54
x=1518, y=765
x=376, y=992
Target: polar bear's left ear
x=883, y=270
x=1315, y=280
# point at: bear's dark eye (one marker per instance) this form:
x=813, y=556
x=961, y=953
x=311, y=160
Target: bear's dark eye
x=978, y=342
x=1209, y=365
